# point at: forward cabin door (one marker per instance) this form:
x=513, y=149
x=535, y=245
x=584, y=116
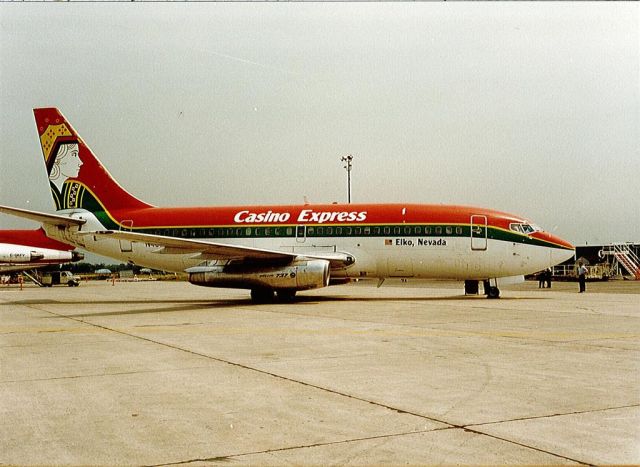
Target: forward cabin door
x=125, y=245
x=478, y=232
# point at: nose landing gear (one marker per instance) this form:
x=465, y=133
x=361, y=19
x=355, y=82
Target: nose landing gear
x=491, y=291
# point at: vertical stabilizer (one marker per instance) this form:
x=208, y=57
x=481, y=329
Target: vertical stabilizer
x=76, y=176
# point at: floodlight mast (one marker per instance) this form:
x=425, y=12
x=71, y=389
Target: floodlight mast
x=348, y=160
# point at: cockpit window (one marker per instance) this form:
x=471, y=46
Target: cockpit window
x=516, y=227
x=524, y=228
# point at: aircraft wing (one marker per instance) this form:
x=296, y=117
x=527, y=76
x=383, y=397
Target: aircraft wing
x=215, y=251
x=43, y=218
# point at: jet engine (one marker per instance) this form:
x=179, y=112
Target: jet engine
x=19, y=254
x=298, y=275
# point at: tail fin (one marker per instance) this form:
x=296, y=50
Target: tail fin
x=76, y=176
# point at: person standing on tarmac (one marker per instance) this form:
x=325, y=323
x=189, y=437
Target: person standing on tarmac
x=582, y=276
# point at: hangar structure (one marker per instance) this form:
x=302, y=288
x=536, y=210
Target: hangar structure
x=613, y=260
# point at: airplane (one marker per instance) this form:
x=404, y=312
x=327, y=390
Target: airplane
x=283, y=249
x=30, y=249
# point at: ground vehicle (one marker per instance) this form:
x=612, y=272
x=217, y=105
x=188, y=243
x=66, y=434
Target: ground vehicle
x=60, y=278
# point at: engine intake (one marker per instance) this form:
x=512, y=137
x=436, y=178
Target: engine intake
x=299, y=275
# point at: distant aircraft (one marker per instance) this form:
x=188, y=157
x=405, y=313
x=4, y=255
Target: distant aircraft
x=30, y=249
x=280, y=249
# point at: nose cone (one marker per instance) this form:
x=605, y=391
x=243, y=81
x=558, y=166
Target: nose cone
x=560, y=242
x=561, y=250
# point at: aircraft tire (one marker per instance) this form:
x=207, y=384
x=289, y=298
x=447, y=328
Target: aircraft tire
x=494, y=292
x=262, y=295
x=286, y=295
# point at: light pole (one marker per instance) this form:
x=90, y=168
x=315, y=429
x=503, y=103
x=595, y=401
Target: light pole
x=348, y=160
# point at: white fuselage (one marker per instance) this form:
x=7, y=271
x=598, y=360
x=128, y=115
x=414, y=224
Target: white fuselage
x=417, y=257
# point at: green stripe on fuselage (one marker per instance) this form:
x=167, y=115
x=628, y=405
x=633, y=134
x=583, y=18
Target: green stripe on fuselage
x=316, y=231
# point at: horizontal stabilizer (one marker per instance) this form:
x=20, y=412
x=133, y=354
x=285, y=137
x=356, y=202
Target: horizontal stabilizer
x=42, y=217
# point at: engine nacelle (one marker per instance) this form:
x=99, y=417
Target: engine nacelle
x=299, y=275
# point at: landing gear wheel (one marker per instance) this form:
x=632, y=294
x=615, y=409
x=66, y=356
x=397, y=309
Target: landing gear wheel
x=262, y=295
x=286, y=295
x=494, y=292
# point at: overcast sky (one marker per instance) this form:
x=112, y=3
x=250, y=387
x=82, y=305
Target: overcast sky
x=530, y=108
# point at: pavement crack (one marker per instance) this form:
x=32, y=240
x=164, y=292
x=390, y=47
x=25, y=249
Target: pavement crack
x=448, y=425
x=99, y=375
x=528, y=446
x=577, y=412
x=228, y=457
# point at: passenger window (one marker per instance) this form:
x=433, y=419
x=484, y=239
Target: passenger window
x=458, y=230
x=387, y=230
x=289, y=231
x=449, y=230
x=417, y=230
x=367, y=230
x=438, y=230
x=248, y=231
x=407, y=230
x=338, y=230
x=310, y=231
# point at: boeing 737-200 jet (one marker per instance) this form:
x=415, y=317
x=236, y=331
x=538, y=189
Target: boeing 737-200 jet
x=280, y=249
x=30, y=249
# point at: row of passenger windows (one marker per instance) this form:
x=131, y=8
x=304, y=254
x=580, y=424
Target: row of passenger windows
x=311, y=231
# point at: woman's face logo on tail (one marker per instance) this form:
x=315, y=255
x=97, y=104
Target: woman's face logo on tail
x=67, y=164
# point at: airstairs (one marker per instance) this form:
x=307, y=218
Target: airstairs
x=34, y=276
x=624, y=256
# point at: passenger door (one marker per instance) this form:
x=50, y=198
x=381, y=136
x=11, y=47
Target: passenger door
x=125, y=245
x=478, y=232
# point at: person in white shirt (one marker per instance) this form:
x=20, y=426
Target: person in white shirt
x=582, y=276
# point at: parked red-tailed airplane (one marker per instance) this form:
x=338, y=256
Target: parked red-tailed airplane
x=30, y=249
x=281, y=249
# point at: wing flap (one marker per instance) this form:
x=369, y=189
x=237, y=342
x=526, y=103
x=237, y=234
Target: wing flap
x=213, y=251
x=207, y=250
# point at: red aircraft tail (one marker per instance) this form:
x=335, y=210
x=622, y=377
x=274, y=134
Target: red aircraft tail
x=76, y=176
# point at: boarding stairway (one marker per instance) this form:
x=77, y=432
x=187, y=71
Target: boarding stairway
x=624, y=256
x=34, y=276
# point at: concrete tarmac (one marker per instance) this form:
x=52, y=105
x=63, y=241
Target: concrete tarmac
x=162, y=373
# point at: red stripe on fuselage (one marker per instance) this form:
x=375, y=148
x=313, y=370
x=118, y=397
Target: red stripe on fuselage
x=312, y=214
